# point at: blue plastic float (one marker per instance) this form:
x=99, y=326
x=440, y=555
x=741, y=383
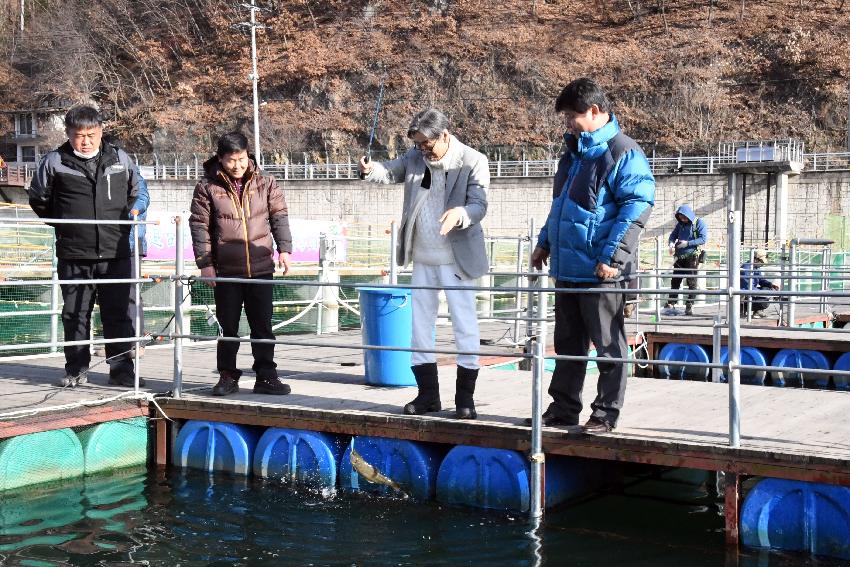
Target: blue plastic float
x=800, y=358
x=412, y=466
x=303, y=457
x=798, y=516
x=843, y=363
x=214, y=446
x=501, y=479
x=751, y=356
x=684, y=353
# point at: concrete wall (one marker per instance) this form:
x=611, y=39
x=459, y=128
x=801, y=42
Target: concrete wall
x=819, y=204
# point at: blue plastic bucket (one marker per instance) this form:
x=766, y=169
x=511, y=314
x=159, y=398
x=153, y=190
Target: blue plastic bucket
x=751, y=356
x=411, y=465
x=214, y=446
x=797, y=516
x=500, y=479
x=684, y=353
x=386, y=319
x=800, y=358
x=304, y=457
x=843, y=363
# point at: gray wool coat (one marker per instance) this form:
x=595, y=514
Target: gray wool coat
x=467, y=180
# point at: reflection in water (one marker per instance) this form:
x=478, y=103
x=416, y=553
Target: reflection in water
x=190, y=518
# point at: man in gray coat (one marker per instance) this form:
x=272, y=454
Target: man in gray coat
x=445, y=198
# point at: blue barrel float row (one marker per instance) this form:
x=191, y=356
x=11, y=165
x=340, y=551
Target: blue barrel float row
x=796, y=360
x=62, y=454
x=472, y=476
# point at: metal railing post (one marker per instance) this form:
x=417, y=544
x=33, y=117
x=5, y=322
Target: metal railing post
x=792, y=284
x=530, y=299
x=658, y=280
x=537, y=457
x=137, y=272
x=518, y=296
x=393, y=247
x=733, y=236
x=716, y=340
x=825, y=262
x=178, y=308
x=54, y=302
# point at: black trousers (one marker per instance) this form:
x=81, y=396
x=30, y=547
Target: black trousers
x=687, y=267
x=580, y=319
x=79, y=302
x=257, y=299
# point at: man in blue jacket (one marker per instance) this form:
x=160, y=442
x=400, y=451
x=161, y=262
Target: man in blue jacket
x=752, y=278
x=686, y=240
x=604, y=192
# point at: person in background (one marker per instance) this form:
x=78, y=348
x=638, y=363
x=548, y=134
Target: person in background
x=445, y=199
x=87, y=178
x=590, y=239
x=686, y=241
x=238, y=218
x=752, y=278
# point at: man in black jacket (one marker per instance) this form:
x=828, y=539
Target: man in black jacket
x=88, y=179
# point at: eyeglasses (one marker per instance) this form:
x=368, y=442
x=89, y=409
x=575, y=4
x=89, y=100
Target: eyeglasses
x=427, y=145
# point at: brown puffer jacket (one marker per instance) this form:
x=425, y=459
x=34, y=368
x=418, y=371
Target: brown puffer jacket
x=234, y=236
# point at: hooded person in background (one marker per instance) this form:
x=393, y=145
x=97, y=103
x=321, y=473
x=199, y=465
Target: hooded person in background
x=236, y=212
x=686, y=241
x=445, y=198
x=87, y=178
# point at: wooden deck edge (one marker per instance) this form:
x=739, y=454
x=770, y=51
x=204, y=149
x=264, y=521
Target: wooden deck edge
x=78, y=417
x=613, y=447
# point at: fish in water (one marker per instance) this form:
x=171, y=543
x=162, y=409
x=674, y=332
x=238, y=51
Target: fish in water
x=372, y=474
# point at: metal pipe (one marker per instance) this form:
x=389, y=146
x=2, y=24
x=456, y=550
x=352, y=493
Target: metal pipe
x=531, y=298
x=178, y=307
x=393, y=247
x=792, y=284
x=658, y=248
x=137, y=315
x=716, y=340
x=734, y=311
x=54, y=301
x=537, y=457
x=518, y=296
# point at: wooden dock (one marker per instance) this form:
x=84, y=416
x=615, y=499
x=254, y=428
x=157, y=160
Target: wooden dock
x=786, y=433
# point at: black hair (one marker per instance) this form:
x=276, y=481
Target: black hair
x=580, y=95
x=83, y=116
x=230, y=143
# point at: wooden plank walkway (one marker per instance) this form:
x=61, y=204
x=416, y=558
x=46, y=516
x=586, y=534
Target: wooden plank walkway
x=787, y=433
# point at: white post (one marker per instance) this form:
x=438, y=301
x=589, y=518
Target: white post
x=781, y=209
x=255, y=77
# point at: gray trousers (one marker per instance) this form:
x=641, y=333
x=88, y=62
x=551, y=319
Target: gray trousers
x=580, y=319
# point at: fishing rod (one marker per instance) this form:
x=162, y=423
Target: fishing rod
x=368, y=157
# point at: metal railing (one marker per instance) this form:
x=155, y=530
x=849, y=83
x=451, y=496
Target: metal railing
x=660, y=165
x=536, y=315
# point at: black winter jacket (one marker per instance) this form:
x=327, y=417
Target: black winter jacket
x=103, y=188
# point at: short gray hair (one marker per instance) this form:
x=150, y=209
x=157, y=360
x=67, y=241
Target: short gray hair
x=430, y=123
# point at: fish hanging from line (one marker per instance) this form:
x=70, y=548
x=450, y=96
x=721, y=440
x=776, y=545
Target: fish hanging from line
x=372, y=474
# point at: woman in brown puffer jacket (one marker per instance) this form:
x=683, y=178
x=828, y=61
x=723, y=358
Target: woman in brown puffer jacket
x=236, y=212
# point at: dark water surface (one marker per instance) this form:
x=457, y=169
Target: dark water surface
x=188, y=518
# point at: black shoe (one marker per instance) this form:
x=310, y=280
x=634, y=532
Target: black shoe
x=428, y=398
x=552, y=420
x=271, y=386
x=128, y=380
x=596, y=425
x=228, y=383
x=464, y=390
x=689, y=310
